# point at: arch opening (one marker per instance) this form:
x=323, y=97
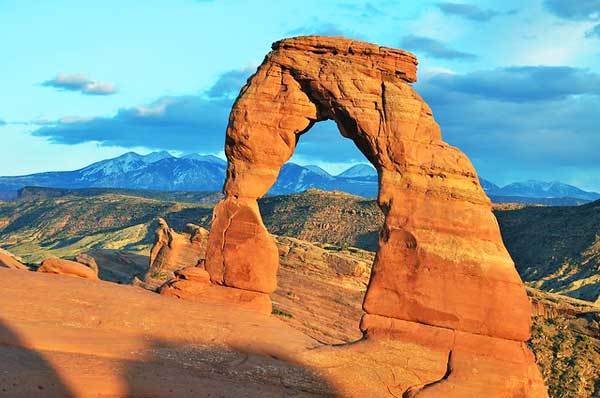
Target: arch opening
x=326, y=237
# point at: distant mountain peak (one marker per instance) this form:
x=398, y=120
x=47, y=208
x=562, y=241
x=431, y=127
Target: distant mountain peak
x=359, y=170
x=156, y=156
x=316, y=169
x=205, y=158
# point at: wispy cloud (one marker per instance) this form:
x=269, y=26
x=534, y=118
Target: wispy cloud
x=467, y=11
x=183, y=123
x=434, y=48
x=577, y=10
x=230, y=83
x=79, y=82
x=522, y=84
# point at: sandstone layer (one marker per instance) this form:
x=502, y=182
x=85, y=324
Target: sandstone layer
x=67, y=267
x=441, y=261
x=173, y=250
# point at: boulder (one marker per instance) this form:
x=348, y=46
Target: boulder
x=441, y=260
x=87, y=260
x=66, y=267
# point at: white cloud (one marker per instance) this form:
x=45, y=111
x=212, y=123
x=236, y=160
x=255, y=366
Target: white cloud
x=79, y=82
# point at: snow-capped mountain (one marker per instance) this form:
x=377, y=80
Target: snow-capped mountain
x=318, y=170
x=489, y=187
x=157, y=171
x=541, y=189
x=358, y=171
x=538, y=190
x=194, y=172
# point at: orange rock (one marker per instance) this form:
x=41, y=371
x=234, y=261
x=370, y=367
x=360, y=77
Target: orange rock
x=441, y=259
x=173, y=251
x=232, y=256
x=193, y=283
x=475, y=365
x=66, y=267
x=8, y=260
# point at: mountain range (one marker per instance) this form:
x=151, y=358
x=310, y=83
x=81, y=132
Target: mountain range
x=538, y=189
x=162, y=171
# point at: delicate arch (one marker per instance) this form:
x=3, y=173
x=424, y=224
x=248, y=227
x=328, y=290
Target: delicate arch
x=440, y=246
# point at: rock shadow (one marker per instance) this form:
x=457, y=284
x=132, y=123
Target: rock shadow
x=192, y=370
x=25, y=372
x=163, y=369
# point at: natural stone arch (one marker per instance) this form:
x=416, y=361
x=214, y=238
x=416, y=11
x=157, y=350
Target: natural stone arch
x=440, y=246
x=442, y=280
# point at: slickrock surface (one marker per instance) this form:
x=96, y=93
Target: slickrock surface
x=442, y=273
x=8, y=260
x=67, y=267
x=71, y=337
x=173, y=251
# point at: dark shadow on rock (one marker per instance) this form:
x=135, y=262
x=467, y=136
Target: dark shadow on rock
x=368, y=241
x=119, y=266
x=25, y=372
x=188, y=370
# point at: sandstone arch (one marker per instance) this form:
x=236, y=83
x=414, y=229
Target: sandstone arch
x=441, y=263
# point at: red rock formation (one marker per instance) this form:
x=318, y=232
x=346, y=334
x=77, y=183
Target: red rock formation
x=67, y=267
x=193, y=284
x=173, y=251
x=87, y=260
x=8, y=260
x=441, y=261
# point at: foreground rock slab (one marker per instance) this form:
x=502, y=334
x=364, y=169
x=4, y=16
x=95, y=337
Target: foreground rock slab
x=71, y=337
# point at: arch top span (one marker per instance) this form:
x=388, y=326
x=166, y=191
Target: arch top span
x=399, y=63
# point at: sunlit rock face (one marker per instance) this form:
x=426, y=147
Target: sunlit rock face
x=173, y=251
x=442, y=278
x=60, y=266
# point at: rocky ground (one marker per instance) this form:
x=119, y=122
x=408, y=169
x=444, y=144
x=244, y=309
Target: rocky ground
x=321, y=285
x=320, y=294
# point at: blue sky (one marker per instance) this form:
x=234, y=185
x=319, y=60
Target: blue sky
x=514, y=84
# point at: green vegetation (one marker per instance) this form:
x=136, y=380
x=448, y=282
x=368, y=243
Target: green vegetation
x=67, y=225
x=569, y=360
x=280, y=312
x=556, y=248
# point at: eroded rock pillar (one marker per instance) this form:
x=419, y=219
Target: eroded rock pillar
x=270, y=113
